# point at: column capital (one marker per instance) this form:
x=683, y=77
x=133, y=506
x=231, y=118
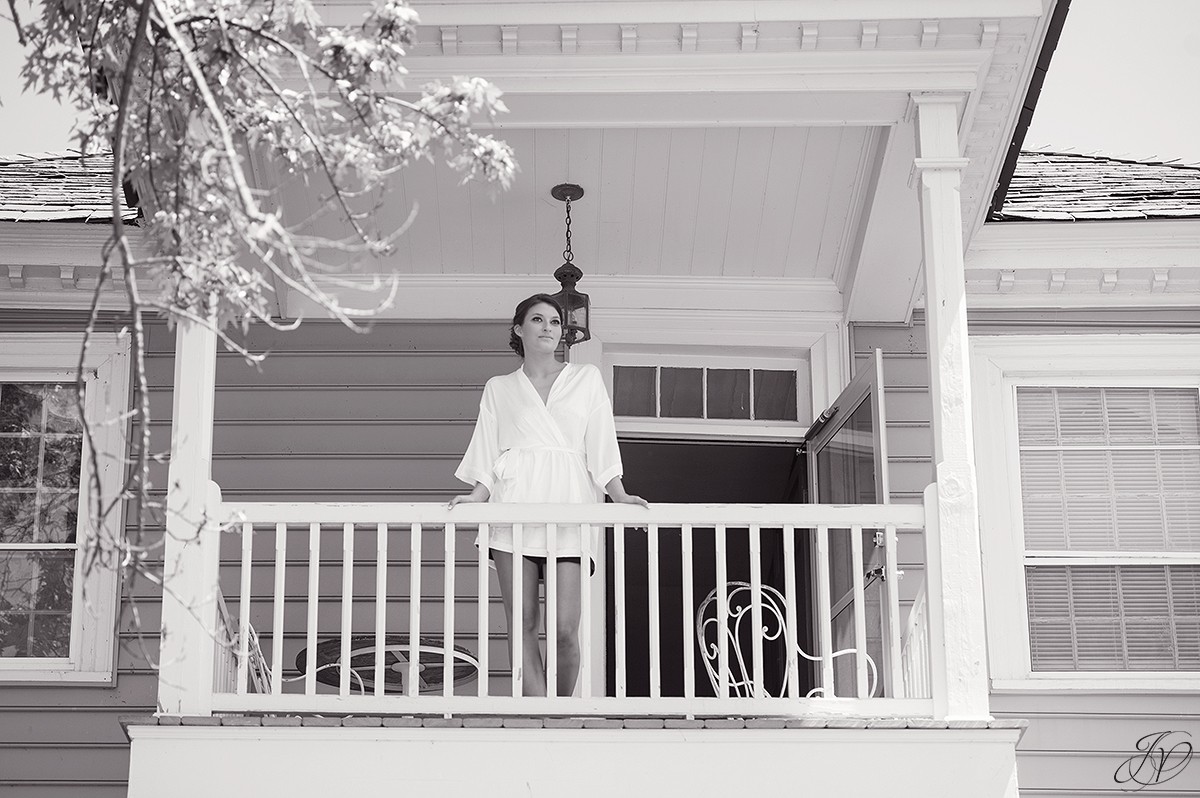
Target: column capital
x=956, y=164
x=928, y=99
x=937, y=165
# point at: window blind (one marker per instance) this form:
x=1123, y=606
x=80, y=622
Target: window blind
x=1113, y=473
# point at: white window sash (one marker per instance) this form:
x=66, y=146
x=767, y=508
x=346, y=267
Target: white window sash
x=999, y=365
x=53, y=357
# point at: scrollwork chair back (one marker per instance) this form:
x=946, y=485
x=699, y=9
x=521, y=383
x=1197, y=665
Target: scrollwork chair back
x=740, y=604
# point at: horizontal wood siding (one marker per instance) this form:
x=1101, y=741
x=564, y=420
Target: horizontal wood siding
x=65, y=741
x=331, y=415
x=1076, y=741
x=334, y=415
x=909, y=438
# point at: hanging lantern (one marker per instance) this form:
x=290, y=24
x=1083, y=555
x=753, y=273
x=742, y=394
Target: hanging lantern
x=575, y=305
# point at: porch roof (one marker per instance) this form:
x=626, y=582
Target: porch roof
x=1057, y=186
x=58, y=187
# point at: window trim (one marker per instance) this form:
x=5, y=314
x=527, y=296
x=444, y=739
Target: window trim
x=54, y=357
x=998, y=365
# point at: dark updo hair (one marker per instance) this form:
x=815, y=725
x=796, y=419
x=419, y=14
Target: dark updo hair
x=522, y=311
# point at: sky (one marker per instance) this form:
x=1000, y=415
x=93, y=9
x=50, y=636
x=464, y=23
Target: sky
x=1123, y=82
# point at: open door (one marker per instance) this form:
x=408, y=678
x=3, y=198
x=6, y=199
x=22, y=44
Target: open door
x=847, y=464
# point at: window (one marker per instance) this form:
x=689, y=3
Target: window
x=666, y=392
x=1089, y=474
x=1111, y=475
x=56, y=623
x=709, y=394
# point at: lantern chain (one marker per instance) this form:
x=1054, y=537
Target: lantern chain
x=568, y=256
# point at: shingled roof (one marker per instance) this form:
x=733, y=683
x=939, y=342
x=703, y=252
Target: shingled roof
x=58, y=187
x=1057, y=186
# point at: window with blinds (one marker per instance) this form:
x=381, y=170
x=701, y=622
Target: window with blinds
x=1110, y=493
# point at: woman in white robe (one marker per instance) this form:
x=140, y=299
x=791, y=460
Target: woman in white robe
x=545, y=433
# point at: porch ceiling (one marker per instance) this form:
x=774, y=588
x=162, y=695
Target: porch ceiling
x=712, y=202
x=728, y=141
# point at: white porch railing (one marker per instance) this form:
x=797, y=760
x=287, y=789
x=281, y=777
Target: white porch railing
x=400, y=593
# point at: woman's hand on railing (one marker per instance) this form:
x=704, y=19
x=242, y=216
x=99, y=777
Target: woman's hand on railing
x=478, y=495
x=616, y=490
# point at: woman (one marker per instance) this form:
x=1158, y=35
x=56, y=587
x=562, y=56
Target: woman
x=545, y=433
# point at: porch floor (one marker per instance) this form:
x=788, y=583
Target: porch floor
x=544, y=722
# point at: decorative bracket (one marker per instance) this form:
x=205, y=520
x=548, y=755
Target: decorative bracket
x=450, y=40
x=570, y=38
x=749, y=37
x=508, y=39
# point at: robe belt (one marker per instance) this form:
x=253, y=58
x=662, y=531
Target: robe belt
x=506, y=466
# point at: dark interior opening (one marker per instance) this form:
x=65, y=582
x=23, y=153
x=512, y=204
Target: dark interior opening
x=704, y=472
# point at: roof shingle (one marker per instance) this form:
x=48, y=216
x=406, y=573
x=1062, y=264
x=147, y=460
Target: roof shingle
x=1056, y=186
x=58, y=187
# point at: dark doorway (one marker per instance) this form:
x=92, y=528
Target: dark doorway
x=703, y=472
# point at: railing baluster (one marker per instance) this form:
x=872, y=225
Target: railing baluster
x=759, y=688
x=314, y=587
x=552, y=610
x=448, y=612
x=722, y=614
x=859, y=613
x=824, y=612
x=689, y=613
x=277, y=609
x=381, y=568
x=347, y=608
x=517, y=630
x=652, y=608
x=892, y=591
x=484, y=598
x=790, y=587
x=243, y=648
x=585, y=609
x=619, y=601
x=414, y=610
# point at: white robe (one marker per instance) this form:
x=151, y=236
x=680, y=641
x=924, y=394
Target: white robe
x=563, y=450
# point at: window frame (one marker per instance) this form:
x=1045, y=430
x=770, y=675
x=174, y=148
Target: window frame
x=999, y=364
x=724, y=428
x=54, y=357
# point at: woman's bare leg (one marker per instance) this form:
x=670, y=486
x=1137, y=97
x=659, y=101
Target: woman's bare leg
x=533, y=678
x=567, y=620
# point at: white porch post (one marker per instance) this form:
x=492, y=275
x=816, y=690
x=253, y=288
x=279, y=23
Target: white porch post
x=955, y=572
x=189, y=613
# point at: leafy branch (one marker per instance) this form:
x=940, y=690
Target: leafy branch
x=184, y=93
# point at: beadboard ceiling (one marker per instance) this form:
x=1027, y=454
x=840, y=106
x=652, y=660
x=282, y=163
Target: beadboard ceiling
x=727, y=144
x=711, y=202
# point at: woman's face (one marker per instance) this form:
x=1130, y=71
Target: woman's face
x=541, y=330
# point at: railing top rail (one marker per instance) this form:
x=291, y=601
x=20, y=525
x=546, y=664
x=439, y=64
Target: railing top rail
x=901, y=516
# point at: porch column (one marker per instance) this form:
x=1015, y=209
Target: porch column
x=189, y=611
x=955, y=585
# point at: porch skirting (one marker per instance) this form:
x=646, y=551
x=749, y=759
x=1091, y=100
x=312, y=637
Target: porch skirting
x=526, y=756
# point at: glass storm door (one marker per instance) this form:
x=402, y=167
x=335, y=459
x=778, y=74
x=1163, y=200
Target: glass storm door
x=847, y=457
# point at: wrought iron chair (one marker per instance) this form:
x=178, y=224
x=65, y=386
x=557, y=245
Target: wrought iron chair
x=709, y=627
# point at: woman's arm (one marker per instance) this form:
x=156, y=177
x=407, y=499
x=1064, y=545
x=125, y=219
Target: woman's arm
x=616, y=489
x=479, y=493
